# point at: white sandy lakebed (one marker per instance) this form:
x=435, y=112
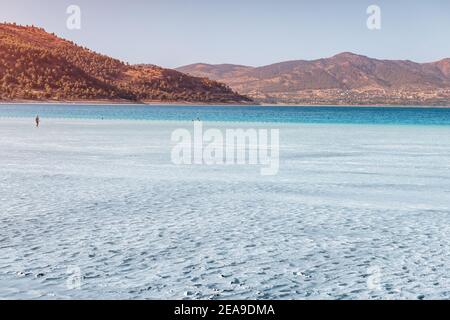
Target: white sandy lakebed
x=355, y=212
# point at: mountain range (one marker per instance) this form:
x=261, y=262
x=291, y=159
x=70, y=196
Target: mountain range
x=36, y=65
x=344, y=79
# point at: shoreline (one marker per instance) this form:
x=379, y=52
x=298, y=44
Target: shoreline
x=220, y=124
x=355, y=106
x=121, y=103
x=198, y=104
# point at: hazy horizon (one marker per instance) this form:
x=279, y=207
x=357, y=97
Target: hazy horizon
x=252, y=33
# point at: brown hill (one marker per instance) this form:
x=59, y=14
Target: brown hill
x=36, y=65
x=217, y=71
x=346, y=78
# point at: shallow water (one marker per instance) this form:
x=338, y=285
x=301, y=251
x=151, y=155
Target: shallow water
x=279, y=114
x=102, y=197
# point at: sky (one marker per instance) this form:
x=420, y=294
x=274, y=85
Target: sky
x=172, y=33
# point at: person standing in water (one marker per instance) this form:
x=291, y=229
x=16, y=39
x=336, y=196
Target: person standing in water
x=37, y=121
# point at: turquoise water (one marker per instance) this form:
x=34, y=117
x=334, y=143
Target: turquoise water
x=103, y=202
x=336, y=115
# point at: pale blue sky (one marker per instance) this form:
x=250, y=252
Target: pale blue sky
x=172, y=33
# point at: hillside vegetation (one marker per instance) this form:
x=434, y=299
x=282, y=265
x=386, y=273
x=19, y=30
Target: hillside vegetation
x=36, y=65
x=346, y=78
